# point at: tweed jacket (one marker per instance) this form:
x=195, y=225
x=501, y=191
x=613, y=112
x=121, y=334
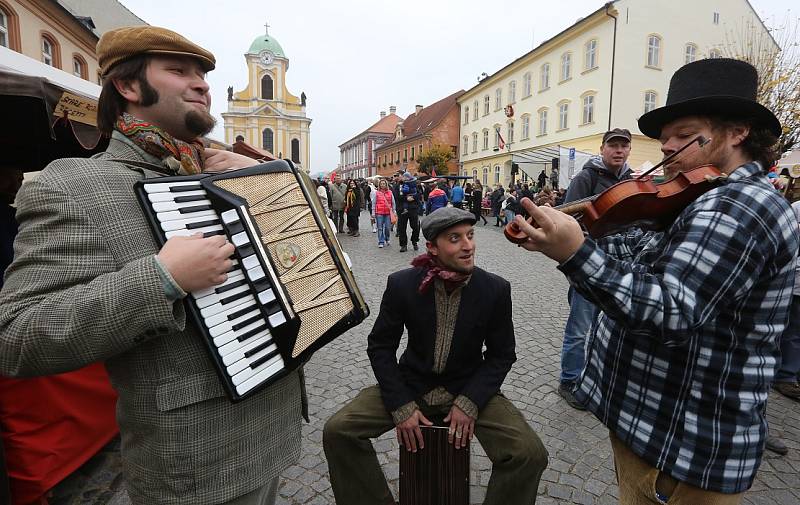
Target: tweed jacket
x=471, y=370
x=85, y=287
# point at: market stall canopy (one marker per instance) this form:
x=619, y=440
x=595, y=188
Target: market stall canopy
x=47, y=114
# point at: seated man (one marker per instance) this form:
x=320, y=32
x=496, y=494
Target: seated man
x=442, y=302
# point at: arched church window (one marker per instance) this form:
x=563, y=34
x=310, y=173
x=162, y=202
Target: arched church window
x=266, y=140
x=266, y=88
x=295, y=150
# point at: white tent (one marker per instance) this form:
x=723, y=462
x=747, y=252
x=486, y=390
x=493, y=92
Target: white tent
x=570, y=162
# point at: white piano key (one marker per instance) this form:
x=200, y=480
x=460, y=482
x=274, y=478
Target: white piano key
x=266, y=296
x=213, y=298
x=171, y=205
x=170, y=197
x=175, y=215
x=228, y=324
x=230, y=216
x=189, y=233
x=234, y=350
x=165, y=186
x=268, y=370
x=277, y=319
x=234, y=335
x=250, y=262
x=213, y=310
x=255, y=274
x=233, y=276
x=240, y=239
x=244, y=363
x=223, y=316
x=182, y=221
x=250, y=372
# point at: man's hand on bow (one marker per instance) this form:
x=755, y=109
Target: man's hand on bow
x=408, y=433
x=462, y=427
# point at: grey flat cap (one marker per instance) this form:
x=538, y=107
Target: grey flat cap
x=442, y=219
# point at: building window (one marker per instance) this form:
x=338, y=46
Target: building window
x=267, y=140
x=588, y=109
x=266, y=88
x=466, y=115
x=544, y=77
x=715, y=53
x=485, y=139
x=716, y=18
x=690, y=54
x=510, y=135
x=296, y=150
x=590, y=60
x=475, y=174
x=485, y=176
x=420, y=149
x=650, y=101
x=4, y=36
x=512, y=91
x=486, y=105
x=563, y=113
x=78, y=67
x=543, y=122
x=496, y=136
x=405, y=155
x=566, y=66
x=526, y=84
x=498, y=98
x=48, y=51
x=497, y=174
x=475, y=110
x=9, y=27
x=412, y=149
x=474, y=142
x=466, y=145
x=526, y=127
x=654, y=51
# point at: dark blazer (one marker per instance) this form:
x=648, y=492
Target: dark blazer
x=469, y=371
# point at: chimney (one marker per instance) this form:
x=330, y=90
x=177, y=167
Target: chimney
x=383, y=113
x=392, y=109
x=419, y=109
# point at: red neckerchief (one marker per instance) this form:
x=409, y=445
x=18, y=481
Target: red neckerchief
x=433, y=270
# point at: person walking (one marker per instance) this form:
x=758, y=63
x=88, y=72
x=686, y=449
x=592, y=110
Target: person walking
x=338, y=190
x=457, y=196
x=409, y=205
x=383, y=208
x=542, y=180
x=498, y=195
x=437, y=199
x=511, y=205
x=352, y=207
x=476, y=202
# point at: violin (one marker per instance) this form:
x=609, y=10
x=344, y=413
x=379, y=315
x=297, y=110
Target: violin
x=636, y=202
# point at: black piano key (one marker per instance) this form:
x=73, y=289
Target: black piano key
x=245, y=336
x=228, y=287
x=273, y=308
x=233, y=298
x=235, y=228
x=246, y=250
x=257, y=349
x=196, y=208
x=184, y=199
x=249, y=321
x=262, y=284
x=263, y=359
x=186, y=187
x=213, y=233
x=240, y=313
x=201, y=224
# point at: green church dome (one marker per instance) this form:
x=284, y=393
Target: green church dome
x=266, y=43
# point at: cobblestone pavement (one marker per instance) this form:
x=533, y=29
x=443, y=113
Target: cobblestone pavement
x=580, y=470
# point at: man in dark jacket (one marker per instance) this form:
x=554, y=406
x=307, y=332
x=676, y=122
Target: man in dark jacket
x=442, y=373
x=598, y=174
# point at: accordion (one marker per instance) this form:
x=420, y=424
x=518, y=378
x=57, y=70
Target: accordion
x=290, y=290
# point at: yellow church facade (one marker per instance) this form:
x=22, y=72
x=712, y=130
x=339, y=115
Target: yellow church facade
x=265, y=114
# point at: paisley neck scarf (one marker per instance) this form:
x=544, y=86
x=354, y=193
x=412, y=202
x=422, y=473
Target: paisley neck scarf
x=182, y=158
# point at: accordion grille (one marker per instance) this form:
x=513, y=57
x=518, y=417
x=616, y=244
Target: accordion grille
x=299, y=253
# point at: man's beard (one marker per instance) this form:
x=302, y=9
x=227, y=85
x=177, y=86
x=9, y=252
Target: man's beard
x=199, y=123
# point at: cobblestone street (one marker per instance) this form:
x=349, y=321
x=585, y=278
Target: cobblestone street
x=580, y=470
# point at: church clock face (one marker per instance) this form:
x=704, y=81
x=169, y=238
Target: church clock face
x=266, y=57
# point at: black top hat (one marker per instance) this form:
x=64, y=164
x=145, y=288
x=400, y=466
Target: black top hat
x=718, y=86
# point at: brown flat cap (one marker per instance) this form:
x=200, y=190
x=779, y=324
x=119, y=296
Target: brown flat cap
x=120, y=44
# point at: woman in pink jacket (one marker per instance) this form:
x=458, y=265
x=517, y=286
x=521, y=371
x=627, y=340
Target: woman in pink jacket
x=383, y=206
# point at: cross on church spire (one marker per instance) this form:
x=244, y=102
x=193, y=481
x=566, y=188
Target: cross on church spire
x=266, y=28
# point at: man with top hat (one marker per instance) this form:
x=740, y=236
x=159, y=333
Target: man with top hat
x=444, y=372
x=89, y=283
x=683, y=355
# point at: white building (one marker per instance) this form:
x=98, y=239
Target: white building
x=603, y=72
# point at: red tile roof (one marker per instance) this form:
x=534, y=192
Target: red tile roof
x=385, y=125
x=416, y=125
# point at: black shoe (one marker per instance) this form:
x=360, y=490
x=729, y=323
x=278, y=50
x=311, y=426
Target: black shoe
x=416, y=247
x=565, y=391
x=776, y=445
x=403, y=249
x=788, y=389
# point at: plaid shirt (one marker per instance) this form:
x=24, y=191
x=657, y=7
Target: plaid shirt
x=681, y=359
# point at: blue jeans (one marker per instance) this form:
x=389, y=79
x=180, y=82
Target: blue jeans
x=581, y=316
x=509, y=215
x=790, y=346
x=382, y=222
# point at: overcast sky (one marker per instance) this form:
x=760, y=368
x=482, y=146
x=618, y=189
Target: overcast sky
x=354, y=58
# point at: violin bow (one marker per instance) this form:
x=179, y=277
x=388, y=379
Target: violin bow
x=701, y=141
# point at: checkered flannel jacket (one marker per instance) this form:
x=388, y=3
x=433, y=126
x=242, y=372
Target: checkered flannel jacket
x=681, y=359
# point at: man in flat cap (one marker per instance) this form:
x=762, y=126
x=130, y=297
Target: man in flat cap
x=443, y=372
x=683, y=355
x=89, y=283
